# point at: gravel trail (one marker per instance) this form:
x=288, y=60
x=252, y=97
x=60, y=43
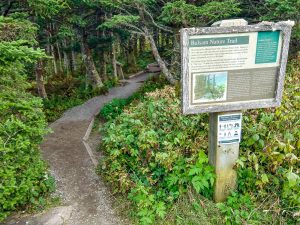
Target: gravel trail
x=86, y=200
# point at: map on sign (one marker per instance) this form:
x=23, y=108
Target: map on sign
x=229, y=128
x=234, y=67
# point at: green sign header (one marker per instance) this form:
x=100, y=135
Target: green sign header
x=221, y=41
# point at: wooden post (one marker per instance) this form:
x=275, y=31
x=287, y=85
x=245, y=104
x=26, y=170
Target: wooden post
x=223, y=156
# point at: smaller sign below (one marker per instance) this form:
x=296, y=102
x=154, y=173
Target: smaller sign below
x=229, y=128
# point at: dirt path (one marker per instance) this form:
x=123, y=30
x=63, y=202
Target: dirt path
x=85, y=197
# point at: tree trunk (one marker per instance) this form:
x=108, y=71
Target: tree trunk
x=158, y=59
x=53, y=59
x=74, y=63
x=51, y=50
x=114, y=61
x=39, y=73
x=175, y=59
x=59, y=57
x=66, y=57
x=141, y=44
x=135, y=46
x=48, y=51
x=167, y=41
x=155, y=52
x=58, y=49
x=131, y=56
x=91, y=70
x=103, y=66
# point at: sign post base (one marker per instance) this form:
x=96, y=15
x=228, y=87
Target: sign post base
x=224, y=137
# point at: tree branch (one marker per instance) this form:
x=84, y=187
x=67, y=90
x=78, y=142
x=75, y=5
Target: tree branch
x=136, y=31
x=162, y=27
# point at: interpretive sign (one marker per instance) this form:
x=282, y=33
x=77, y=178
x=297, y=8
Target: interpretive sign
x=229, y=128
x=233, y=68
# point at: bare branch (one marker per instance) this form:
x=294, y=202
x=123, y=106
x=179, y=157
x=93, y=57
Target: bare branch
x=138, y=30
x=162, y=27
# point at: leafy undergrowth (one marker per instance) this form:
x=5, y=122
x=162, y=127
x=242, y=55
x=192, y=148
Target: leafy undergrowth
x=153, y=159
x=25, y=182
x=158, y=158
x=140, y=63
x=114, y=108
x=67, y=92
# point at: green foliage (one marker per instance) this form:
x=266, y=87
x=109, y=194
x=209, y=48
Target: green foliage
x=23, y=175
x=178, y=13
x=282, y=10
x=240, y=209
x=144, y=59
x=114, y=108
x=47, y=8
x=12, y=29
x=151, y=154
x=120, y=20
x=17, y=52
x=67, y=92
x=24, y=178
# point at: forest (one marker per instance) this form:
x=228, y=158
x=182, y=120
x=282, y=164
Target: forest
x=56, y=55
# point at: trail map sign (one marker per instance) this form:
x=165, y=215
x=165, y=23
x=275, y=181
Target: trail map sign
x=233, y=68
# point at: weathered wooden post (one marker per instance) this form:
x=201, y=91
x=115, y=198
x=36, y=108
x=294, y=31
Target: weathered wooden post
x=224, y=139
x=226, y=68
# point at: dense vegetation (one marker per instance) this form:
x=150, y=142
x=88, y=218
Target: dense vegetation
x=23, y=175
x=114, y=108
x=55, y=54
x=156, y=156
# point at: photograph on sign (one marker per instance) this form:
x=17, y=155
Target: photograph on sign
x=231, y=68
x=229, y=128
x=210, y=87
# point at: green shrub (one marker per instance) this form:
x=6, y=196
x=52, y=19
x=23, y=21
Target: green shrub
x=69, y=93
x=114, y=108
x=144, y=59
x=240, y=209
x=24, y=177
x=154, y=160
